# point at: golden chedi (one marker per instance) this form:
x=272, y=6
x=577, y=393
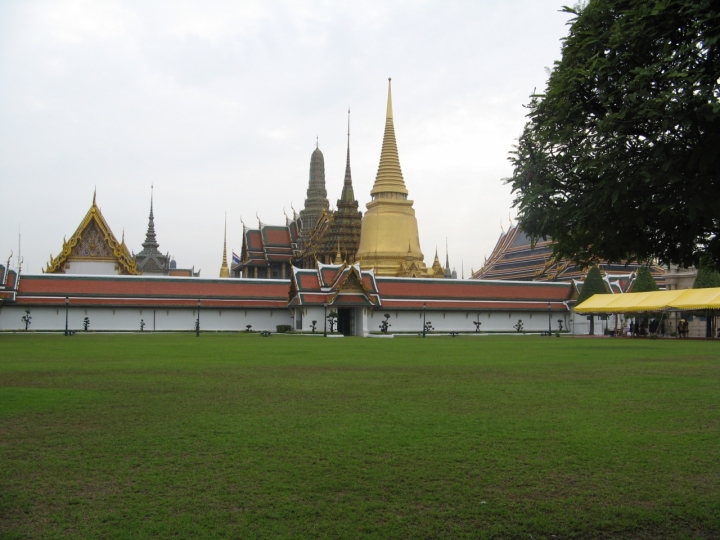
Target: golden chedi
x=389, y=240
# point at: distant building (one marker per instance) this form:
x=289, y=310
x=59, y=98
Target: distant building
x=513, y=258
x=268, y=252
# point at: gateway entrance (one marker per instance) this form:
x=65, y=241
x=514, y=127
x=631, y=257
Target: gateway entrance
x=346, y=321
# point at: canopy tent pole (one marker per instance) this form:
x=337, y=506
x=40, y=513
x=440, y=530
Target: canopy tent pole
x=616, y=321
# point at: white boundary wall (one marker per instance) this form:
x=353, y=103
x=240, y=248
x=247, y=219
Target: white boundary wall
x=462, y=321
x=369, y=320
x=212, y=319
x=128, y=319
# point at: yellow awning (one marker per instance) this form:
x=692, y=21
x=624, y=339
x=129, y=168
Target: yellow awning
x=686, y=299
x=698, y=299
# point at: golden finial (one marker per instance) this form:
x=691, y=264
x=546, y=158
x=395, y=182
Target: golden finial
x=501, y=227
x=94, y=194
x=7, y=267
x=243, y=224
x=259, y=222
x=389, y=103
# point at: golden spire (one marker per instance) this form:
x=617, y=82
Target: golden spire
x=224, y=270
x=94, y=194
x=338, y=256
x=389, y=177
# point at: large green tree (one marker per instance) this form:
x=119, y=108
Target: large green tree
x=620, y=158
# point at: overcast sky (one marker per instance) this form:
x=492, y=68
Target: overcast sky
x=218, y=105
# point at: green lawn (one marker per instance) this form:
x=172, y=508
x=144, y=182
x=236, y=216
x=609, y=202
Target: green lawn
x=229, y=436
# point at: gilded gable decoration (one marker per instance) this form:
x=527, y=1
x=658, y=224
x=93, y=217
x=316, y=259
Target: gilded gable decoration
x=93, y=241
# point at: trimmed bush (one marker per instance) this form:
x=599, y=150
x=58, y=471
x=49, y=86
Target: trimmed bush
x=644, y=282
x=593, y=284
x=282, y=328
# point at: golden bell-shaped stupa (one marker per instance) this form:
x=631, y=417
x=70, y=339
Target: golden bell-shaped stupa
x=389, y=240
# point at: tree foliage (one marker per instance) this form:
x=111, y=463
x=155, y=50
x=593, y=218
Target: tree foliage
x=619, y=159
x=707, y=277
x=644, y=281
x=593, y=284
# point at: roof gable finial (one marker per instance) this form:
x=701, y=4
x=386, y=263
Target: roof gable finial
x=94, y=194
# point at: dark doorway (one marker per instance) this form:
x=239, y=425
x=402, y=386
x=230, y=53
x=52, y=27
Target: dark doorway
x=346, y=321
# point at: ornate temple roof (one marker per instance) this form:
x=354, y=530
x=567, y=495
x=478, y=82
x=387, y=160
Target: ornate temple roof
x=150, y=260
x=316, y=200
x=513, y=258
x=93, y=240
x=269, y=244
x=334, y=284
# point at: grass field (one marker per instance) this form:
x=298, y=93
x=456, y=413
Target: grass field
x=236, y=436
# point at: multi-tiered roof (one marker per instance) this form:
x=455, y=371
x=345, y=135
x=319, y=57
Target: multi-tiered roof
x=514, y=258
